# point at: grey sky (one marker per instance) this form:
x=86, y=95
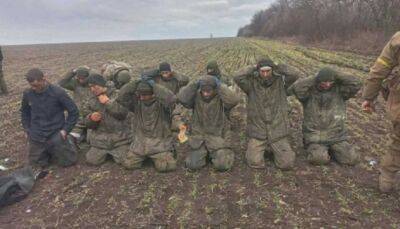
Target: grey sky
x=53, y=21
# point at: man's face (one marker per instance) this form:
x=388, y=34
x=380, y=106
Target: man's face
x=97, y=89
x=326, y=85
x=265, y=72
x=166, y=75
x=146, y=97
x=82, y=80
x=208, y=94
x=38, y=85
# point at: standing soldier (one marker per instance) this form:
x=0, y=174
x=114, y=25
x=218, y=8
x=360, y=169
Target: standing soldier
x=213, y=70
x=3, y=86
x=211, y=103
x=119, y=73
x=387, y=61
x=43, y=119
x=267, y=113
x=152, y=106
x=110, y=133
x=76, y=81
x=324, y=105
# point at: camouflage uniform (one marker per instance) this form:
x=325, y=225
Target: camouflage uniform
x=387, y=61
x=210, y=123
x=119, y=73
x=174, y=84
x=110, y=136
x=152, y=124
x=267, y=116
x=325, y=116
x=3, y=86
x=81, y=95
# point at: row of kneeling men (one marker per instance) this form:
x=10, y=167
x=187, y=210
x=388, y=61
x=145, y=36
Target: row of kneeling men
x=134, y=118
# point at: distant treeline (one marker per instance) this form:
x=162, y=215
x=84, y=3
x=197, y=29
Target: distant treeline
x=316, y=20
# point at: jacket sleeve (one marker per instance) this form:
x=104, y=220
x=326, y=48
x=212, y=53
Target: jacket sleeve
x=229, y=98
x=116, y=110
x=242, y=78
x=87, y=111
x=349, y=85
x=73, y=112
x=388, y=59
x=182, y=80
x=127, y=95
x=289, y=73
x=187, y=94
x=165, y=96
x=25, y=112
x=68, y=81
x=302, y=88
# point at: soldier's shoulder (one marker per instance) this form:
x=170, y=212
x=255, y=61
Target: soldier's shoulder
x=396, y=39
x=56, y=90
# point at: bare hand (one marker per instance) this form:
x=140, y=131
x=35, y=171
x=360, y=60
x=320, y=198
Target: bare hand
x=95, y=117
x=63, y=134
x=368, y=106
x=103, y=99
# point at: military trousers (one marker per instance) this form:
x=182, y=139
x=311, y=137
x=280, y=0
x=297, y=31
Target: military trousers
x=163, y=162
x=221, y=159
x=64, y=152
x=3, y=86
x=97, y=156
x=390, y=161
x=284, y=156
x=342, y=152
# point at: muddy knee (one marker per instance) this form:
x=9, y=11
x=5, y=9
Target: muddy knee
x=165, y=162
x=345, y=154
x=318, y=154
x=255, y=153
x=223, y=159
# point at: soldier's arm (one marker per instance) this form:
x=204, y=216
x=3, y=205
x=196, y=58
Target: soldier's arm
x=385, y=63
x=116, y=110
x=242, y=78
x=229, y=98
x=182, y=79
x=73, y=112
x=25, y=113
x=302, y=88
x=127, y=95
x=187, y=94
x=349, y=85
x=165, y=96
x=68, y=82
x=291, y=75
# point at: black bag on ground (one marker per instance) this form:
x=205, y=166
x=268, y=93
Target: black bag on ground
x=16, y=186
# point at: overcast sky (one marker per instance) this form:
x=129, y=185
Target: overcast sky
x=55, y=21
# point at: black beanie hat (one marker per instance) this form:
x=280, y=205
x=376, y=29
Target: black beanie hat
x=165, y=67
x=97, y=79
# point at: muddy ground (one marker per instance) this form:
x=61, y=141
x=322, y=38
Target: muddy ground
x=82, y=196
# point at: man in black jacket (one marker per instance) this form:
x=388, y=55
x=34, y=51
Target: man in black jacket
x=3, y=86
x=43, y=118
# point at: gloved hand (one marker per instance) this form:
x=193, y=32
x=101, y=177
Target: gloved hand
x=147, y=78
x=217, y=81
